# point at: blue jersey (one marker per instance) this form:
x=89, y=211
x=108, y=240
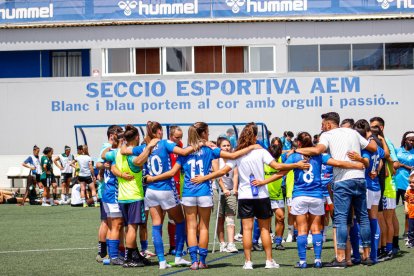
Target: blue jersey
x=159, y=162
x=307, y=182
x=35, y=162
x=197, y=163
x=136, y=151
x=287, y=145
x=374, y=160
x=110, y=192
x=326, y=174
x=401, y=176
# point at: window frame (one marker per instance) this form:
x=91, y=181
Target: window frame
x=222, y=60
x=273, y=60
x=131, y=63
x=161, y=61
x=164, y=62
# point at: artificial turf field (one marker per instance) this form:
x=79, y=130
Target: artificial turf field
x=63, y=240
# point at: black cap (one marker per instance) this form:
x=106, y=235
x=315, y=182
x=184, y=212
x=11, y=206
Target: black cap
x=35, y=147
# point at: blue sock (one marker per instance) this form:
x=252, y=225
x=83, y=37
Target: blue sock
x=203, y=254
x=375, y=235
x=144, y=245
x=388, y=247
x=158, y=244
x=278, y=240
x=353, y=237
x=256, y=232
x=302, y=241
x=193, y=253
x=317, y=240
x=113, y=248
x=180, y=238
x=295, y=232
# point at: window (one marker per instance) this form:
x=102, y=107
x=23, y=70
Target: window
x=236, y=59
x=303, y=58
x=335, y=57
x=399, y=56
x=66, y=63
x=262, y=59
x=368, y=56
x=147, y=61
x=179, y=59
x=208, y=59
x=118, y=61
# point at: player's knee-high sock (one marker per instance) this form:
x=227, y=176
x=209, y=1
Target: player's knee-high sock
x=193, y=253
x=302, y=241
x=158, y=244
x=203, y=254
x=375, y=236
x=317, y=240
x=180, y=235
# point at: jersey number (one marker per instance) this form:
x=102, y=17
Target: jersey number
x=308, y=175
x=193, y=164
x=155, y=165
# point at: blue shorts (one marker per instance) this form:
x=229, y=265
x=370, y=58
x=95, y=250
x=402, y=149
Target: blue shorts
x=133, y=213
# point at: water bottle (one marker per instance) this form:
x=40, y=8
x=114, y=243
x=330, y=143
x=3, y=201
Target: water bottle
x=255, y=189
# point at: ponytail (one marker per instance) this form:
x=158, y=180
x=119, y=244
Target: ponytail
x=152, y=128
x=193, y=138
x=305, y=139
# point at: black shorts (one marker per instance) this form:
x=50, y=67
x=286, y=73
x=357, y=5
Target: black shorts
x=87, y=179
x=66, y=176
x=47, y=182
x=259, y=208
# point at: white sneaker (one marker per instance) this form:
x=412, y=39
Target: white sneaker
x=181, y=262
x=45, y=205
x=223, y=246
x=289, y=238
x=248, y=265
x=231, y=248
x=238, y=237
x=271, y=264
x=164, y=265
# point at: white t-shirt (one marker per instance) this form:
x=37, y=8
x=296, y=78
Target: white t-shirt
x=83, y=161
x=227, y=178
x=65, y=161
x=75, y=198
x=339, y=142
x=251, y=163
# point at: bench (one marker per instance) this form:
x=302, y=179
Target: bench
x=14, y=173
